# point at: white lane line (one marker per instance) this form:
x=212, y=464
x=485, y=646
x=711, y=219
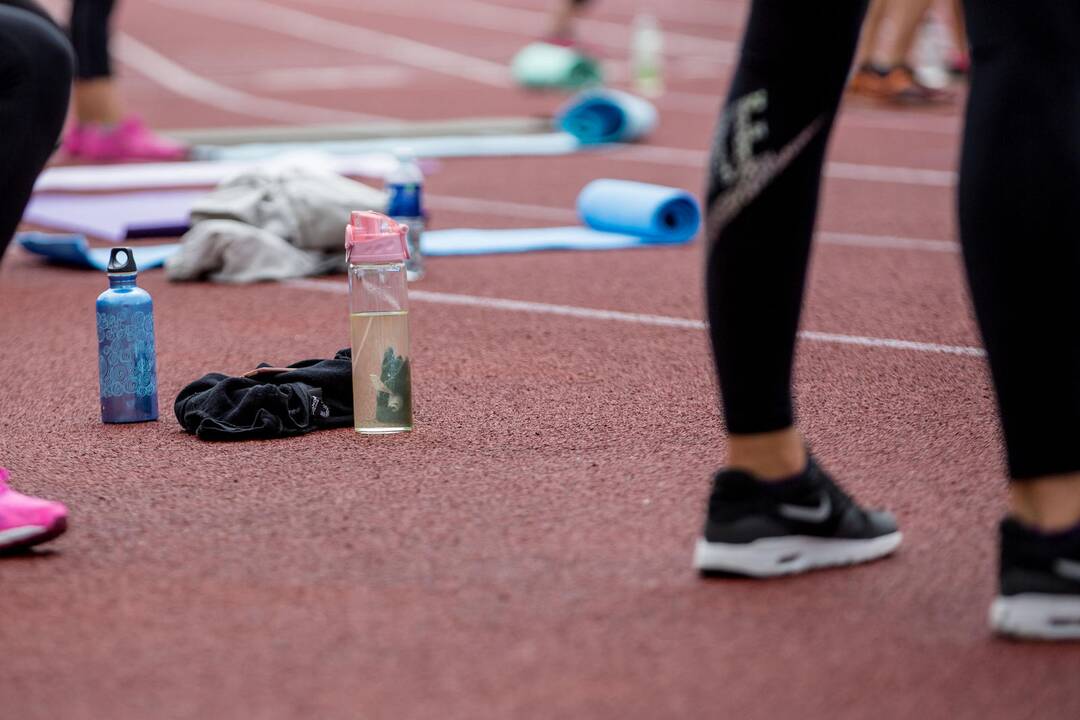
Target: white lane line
x=183, y=82
x=352, y=38
x=890, y=174
x=538, y=308
x=685, y=157
x=891, y=343
x=887, y=241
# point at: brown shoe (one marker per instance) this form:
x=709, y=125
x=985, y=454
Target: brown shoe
x=867, y=81
x=899, y=87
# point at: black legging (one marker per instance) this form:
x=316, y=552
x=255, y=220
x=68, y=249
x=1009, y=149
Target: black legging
x=90, y=37
x=1019, y=210
x=35, y=81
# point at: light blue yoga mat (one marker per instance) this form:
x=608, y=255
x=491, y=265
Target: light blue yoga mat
x=593, y=117
x=73, y=250
x=436, y=243
x=617, y=214
x=607, y=116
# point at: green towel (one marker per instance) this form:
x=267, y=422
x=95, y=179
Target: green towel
x=542, y=65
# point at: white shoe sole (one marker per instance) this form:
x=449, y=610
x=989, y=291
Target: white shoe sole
x=16, y=535
x=1037, y=616
x=771, y=557
x=25, y=536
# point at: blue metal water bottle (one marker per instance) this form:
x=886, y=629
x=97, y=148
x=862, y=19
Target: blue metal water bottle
x=127, y=363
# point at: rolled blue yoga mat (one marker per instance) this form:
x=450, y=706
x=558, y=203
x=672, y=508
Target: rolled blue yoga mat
x=607, y=116
x=617, y=214
x=652, y=212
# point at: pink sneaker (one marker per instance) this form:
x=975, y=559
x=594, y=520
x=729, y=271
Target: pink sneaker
x=130, y=140
x=72, y=143
x=27, y=521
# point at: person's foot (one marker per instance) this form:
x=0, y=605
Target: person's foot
x=1039, y=596
x=128, y=140
x=895, y=86
x=867, y=80
x=901, y=87
x=27, y=521
x=764, y=529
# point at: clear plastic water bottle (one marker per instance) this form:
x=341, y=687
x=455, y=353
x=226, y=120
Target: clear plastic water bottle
x=647, y=56
x=377, y=249
x=405, y=185
x=127, y=362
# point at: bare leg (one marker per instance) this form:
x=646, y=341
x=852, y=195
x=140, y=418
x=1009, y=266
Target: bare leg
x=97, y=102
x=958, y=27
x=871, y=32
x=768, y=456
x=1049, y=503
x=562, y=19
x=906, y=16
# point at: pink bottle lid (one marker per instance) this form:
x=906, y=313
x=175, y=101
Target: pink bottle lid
x=372, y=237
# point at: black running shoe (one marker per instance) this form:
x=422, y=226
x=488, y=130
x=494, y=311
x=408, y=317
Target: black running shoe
x=1040, y=584
x=766, y=529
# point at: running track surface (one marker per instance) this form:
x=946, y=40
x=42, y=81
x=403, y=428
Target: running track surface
x=525, y=553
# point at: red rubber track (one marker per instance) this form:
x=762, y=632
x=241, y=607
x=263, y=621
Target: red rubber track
x=525, y=553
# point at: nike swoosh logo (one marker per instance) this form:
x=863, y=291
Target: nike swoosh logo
x=1067, y=569
x=753, y=179
x=805, y=514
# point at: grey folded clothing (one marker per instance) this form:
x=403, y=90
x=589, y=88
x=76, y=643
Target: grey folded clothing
x=284, y=220
x=232, y=252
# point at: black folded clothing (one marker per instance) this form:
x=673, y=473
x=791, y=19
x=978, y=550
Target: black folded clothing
x=269, y=402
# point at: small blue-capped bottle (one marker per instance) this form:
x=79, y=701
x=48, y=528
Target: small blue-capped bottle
x=405, y=187
x=127, y=363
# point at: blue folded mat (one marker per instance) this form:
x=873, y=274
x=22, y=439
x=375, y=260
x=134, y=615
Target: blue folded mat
x=440, y=243
x=617, y=214
x=75, y=251
x=607, y=116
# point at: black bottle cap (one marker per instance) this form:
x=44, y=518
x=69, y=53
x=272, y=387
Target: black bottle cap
x=122, y=261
